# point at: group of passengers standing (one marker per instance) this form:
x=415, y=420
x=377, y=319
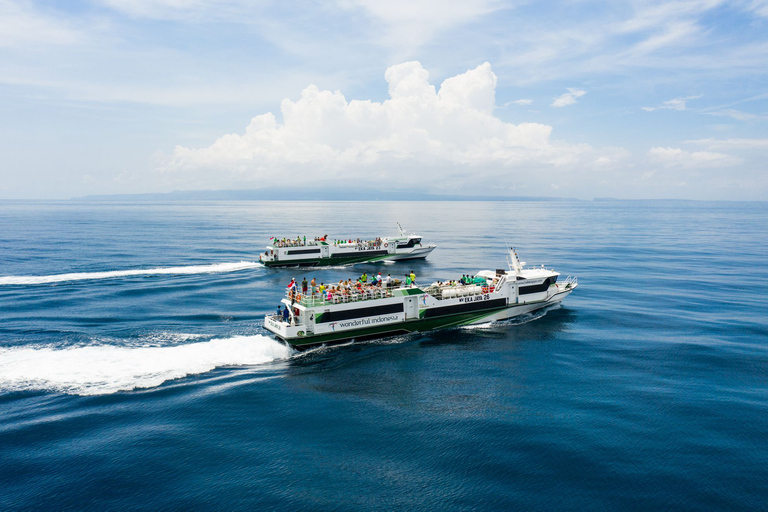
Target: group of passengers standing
x=362, y=282
x=302, y=241
x=310, y=288
x=362, y=244
x=296, y=242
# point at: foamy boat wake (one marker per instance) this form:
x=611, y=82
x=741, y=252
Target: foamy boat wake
x=95, y=370
x=80, y=276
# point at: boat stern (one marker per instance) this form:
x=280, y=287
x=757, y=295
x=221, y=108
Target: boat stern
x=284, y=330
x=268, y=257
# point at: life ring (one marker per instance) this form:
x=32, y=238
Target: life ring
x=385, y=244
x=298, y=298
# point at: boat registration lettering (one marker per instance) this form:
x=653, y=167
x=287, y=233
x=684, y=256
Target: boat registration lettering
x=476, y=298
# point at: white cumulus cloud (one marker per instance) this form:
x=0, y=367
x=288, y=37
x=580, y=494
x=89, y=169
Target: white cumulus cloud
x=435, y=137
x=568, y=98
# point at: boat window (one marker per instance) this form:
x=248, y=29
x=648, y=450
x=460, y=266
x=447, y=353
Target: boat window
x=465, y=308
x=348, y=314
x=536, y=288
x=303, y=251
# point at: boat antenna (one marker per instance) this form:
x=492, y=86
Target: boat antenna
x=514, y=262
x=510, y=252
x=402, y=232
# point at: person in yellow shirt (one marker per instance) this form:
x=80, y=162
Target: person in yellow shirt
x=413, y=277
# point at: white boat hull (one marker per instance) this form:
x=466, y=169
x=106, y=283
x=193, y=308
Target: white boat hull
x=415, y=254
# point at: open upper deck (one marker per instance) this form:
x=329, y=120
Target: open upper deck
x=276, y=243
x=340, y=296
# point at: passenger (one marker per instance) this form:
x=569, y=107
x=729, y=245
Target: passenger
x=304, y=286
x=313, y=284
x=285, y=314
x=407, y=280
x=279, y=310
x=413, y=277
x=378, y=280
x=364, y=277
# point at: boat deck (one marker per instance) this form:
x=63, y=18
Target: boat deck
x=342, y=296
x=438, y=291
x=362, y=245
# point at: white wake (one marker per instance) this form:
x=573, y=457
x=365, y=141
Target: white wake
x=95, y=370
x=80, y=276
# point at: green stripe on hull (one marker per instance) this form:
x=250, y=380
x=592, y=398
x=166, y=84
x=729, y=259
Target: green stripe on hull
x=394, y=329
x=325, y=262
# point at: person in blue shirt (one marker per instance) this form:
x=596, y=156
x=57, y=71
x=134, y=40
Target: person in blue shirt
x=285, y=314
x=279, y=310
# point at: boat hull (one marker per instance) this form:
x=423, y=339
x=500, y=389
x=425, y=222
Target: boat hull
x=351, y=259
x=331, y=261
x=417, y=254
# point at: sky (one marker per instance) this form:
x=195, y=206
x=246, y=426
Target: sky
x=578, y=98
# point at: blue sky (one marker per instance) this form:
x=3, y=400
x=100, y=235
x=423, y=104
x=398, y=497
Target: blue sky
x=574, y=98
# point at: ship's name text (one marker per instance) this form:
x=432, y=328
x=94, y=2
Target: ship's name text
x=476, y=298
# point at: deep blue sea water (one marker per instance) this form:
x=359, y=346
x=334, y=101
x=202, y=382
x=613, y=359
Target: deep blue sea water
x=135, y=373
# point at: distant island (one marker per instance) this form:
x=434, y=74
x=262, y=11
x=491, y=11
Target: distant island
x=309, y=194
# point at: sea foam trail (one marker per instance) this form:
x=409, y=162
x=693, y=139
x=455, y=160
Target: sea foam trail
x=104, y=369
x=80, y=276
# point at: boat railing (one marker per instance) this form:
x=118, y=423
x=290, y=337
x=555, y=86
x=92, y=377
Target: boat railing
x=311, y=299
x=280, y=319
x=570, y=282
x=365, y=245
x=361, y=246
x=295, y=243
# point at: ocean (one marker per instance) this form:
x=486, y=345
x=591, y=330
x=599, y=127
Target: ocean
x=135, y=373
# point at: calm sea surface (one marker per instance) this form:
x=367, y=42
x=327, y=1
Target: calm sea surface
x=135, y=373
